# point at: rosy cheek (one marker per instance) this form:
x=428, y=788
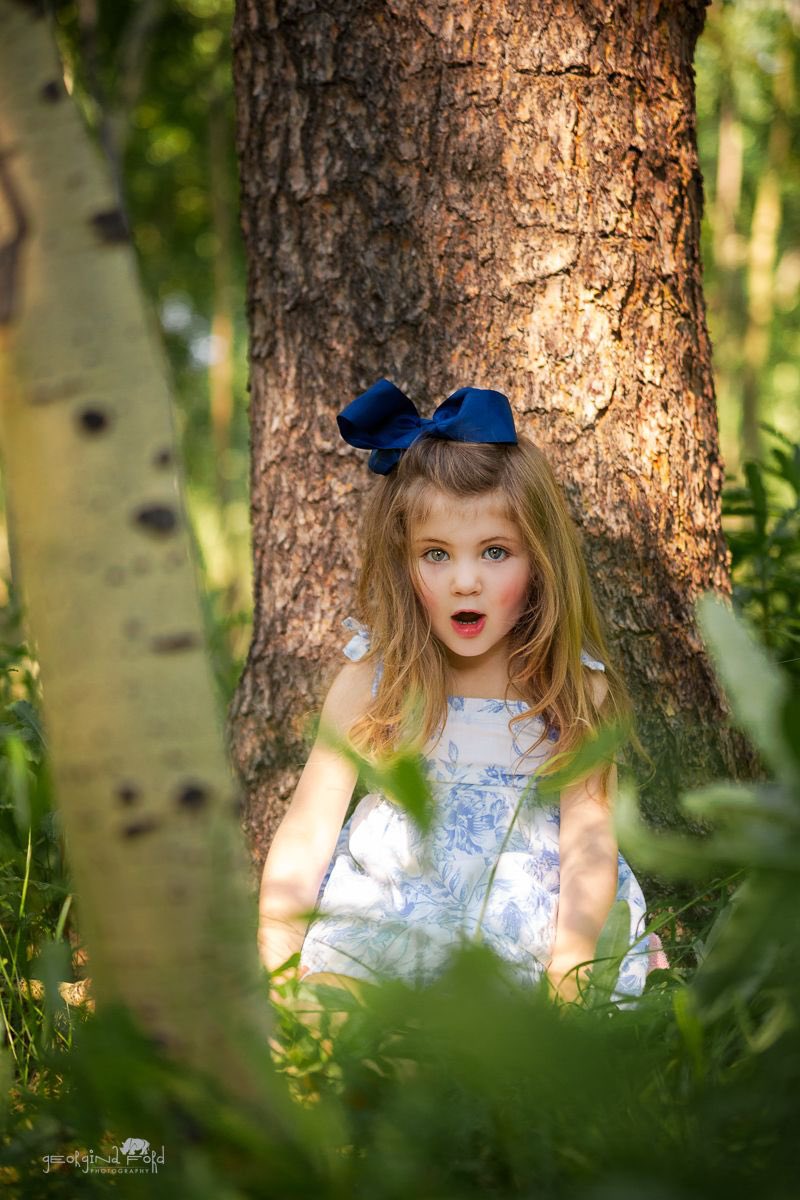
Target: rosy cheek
x=512, y=595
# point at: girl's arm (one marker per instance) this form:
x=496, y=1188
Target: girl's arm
x=589, y=856
x=305, y=839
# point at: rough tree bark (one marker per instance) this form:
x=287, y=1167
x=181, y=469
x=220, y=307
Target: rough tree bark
x=501, y=194
x=147, y=799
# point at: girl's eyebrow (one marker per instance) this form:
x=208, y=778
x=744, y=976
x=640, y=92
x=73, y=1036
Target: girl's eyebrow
x=498, y=537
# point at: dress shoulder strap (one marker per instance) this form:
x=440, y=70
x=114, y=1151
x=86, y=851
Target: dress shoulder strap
x=359, y=645
x=593, y=663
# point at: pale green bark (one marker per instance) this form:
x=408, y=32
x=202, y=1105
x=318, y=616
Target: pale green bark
x=147, y=798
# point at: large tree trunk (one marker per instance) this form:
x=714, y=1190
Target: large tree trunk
x=146, y=796
x=507, y=195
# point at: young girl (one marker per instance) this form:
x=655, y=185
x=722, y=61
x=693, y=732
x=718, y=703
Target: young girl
x=474, y=599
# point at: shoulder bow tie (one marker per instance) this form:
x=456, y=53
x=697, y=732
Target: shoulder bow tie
x=383, y=419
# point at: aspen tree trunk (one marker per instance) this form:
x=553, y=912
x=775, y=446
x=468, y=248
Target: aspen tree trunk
x=506, y=195
x=147, y=799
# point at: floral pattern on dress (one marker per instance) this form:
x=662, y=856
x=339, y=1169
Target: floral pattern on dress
x=393, y=902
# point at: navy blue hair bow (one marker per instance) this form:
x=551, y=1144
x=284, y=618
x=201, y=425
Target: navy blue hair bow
x=383, y=419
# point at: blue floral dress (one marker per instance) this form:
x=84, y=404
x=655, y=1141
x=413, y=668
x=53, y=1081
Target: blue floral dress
x=394, y=902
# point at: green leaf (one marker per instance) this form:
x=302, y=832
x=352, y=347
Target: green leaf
x=403, y=779
x=406, y=782
x=679, y=856
x=741, y=951
x=779, y=1020
x=753, y=683
x=28, y=718
x=732, y=801
x=612, y=945
x=753, y=472
x=790, y=725
x=690, y=1027
x=18, y=777
x=592, y=752
x=6, y=1081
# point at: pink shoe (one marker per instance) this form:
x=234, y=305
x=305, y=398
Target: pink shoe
x=657, y=959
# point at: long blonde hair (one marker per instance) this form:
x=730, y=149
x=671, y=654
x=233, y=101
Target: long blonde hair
x=560, y=618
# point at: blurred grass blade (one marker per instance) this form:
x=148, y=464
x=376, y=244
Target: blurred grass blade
x=690, y=1028
x=18, y=782
x=592, y=752
x=742, y=952
x=757, y=491
x=779, y=1020
x=790, y=726
x=612, y=945
x=402, y=778
x=754, y=685
x=747, y=843
x=732, y=801
x=672, y=855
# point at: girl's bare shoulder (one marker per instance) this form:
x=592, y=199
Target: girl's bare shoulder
x=349, y=694
x=598, y=685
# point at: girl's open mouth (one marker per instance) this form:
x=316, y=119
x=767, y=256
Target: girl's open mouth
x=468, y=624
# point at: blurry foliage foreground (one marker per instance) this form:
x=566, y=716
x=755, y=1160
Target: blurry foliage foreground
x=474, y=1086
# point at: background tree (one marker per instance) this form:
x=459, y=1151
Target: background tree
x=499, y=196
x=153, y=83
x=146, y=796
x=748, y=73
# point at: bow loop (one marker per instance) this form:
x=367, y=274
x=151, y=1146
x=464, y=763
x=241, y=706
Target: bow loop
x=383, y=419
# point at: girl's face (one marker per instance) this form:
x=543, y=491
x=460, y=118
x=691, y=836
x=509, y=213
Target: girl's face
x=471, y=560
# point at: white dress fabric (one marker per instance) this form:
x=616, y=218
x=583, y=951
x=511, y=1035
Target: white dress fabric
x=395, y=903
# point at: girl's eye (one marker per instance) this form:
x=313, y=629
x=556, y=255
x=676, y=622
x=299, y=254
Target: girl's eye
x=501, y=549
x=433, y=551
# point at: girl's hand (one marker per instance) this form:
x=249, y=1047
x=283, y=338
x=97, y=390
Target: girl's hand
x=278, y=979
x=566, y=979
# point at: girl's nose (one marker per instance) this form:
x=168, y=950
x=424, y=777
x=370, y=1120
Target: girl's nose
x=466, y=577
